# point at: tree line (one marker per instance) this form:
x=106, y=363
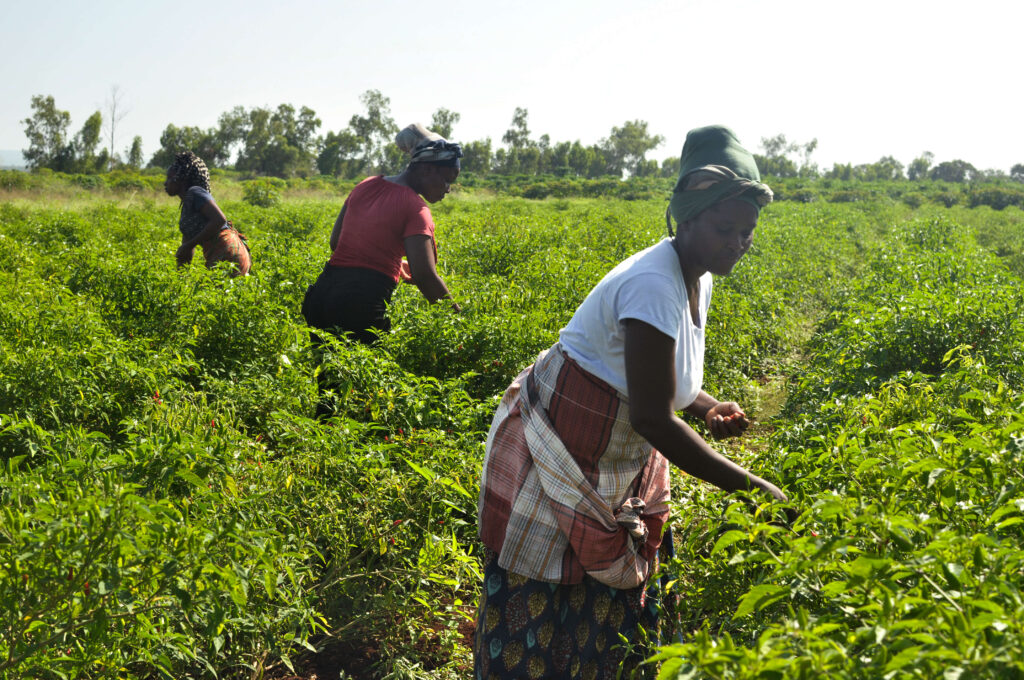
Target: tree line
x=286, y=142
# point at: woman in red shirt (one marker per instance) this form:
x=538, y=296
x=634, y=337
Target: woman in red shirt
x=382, y=220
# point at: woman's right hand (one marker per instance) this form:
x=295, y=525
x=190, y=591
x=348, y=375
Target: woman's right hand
x=777, y=494
x=770, y=489
x=184, y=254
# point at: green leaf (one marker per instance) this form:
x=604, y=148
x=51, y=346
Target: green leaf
x=907, y=656
x=427, y=473
x=759, y=597
x=727, y=539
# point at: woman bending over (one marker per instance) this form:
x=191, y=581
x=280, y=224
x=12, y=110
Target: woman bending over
x=202, y=222
x=575, y=481
x=383, y=220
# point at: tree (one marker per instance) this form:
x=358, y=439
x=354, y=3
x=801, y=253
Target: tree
x=954, y=171
x=777, y=146
x=366, y=145
x=394, y=160
x=375, y=130
x=776, y=161
x=887, y=168
x=478, y=156
x=279, y=143
x=991, y=175
x=578, y=160
x=808, y=168
x=47, y=131
x=518, y=135
x=116, y=111
x=627, y=146
x=843, y=171
x=646, y=168
x=442, y=122
x=670, y=167
x=527, y=161
x=207, y=144
x=598, y=163
x=86, y=141
x=776, y=166
x=338, y=154
x=1017, y=172
x=134, y=154
x=556, y=160
x=919, y=167
x=232, y=126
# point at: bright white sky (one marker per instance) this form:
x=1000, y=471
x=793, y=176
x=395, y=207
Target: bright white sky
x=867, y=78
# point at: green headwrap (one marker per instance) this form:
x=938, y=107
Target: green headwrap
x=714, y=168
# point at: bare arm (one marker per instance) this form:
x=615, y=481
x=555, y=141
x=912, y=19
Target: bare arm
x=336, y=231
x=650, y=381
x=423, y=269
x=215, y=219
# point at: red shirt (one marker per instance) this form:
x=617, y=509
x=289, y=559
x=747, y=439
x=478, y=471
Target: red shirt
x=379, y=216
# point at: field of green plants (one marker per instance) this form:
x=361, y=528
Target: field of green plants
x=170, y=508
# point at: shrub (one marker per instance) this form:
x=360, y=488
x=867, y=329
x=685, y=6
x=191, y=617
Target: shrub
x=995, y=197
x=264, y=192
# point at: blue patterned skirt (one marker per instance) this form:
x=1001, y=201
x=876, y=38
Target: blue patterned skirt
x=529, y=629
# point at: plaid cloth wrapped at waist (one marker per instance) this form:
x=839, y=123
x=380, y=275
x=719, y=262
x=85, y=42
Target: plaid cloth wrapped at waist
x=568, y=487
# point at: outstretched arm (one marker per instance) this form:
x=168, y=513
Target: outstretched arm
x=423, y=269
x=650, y=380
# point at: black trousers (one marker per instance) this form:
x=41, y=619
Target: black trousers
x=349, y=301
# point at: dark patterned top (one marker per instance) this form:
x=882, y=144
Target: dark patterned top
x=192, y=219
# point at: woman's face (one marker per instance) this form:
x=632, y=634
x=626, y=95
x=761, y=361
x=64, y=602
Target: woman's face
x=436, y=181
x=172, y=185
x=717, y=238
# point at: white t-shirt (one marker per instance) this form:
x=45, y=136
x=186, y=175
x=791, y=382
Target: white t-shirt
x=648, y=287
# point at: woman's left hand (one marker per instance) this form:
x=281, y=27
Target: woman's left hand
x=726, y=419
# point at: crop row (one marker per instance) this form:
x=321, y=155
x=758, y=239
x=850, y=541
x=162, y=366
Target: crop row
x=170, y=507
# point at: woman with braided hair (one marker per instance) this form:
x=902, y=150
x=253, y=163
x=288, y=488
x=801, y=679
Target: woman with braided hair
x=202, y=222
x=382, y=220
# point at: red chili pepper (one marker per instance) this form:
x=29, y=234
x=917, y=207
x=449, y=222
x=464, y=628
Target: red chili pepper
x=86, y=588
x=392, y=540
x=396, y=522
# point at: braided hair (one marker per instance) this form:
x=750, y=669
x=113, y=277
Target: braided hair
x=190, y=169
